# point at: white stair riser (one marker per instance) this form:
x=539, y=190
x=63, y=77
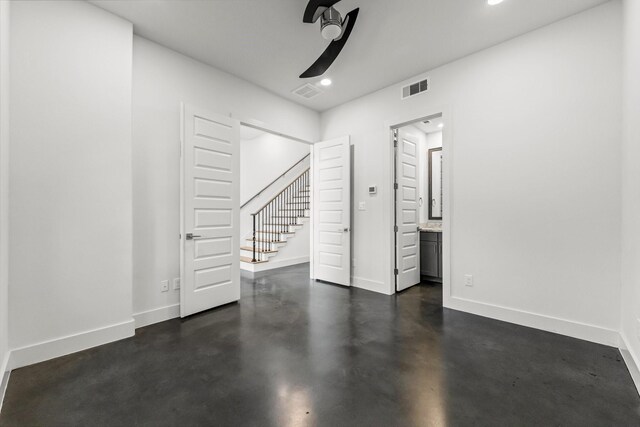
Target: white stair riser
x=245, y=252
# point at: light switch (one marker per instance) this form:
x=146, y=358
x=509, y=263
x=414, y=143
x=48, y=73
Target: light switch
x=362, y=206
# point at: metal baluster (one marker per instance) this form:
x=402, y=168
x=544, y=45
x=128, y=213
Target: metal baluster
x=254, y=239
x=263, y=236
x=309, y=187
x=269, y=227
x=281, y=211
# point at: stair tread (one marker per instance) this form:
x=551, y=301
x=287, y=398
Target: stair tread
x=258, y=250
x=248, y=259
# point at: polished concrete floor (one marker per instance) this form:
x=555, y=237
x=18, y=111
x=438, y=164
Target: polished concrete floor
x=297, y=353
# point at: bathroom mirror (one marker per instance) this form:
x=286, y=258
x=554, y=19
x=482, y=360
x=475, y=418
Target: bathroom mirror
x=435, y=183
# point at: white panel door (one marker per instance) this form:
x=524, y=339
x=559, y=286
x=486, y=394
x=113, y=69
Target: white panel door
x=407, y=211
x=332, y=211
x=210, y=200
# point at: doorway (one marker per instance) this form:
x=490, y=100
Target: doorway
x=421, y=234
x=275, y=210
x=210, y=211
x=213, y=246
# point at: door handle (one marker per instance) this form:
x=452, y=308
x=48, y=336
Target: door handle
x=191, y=236
x=346, y=229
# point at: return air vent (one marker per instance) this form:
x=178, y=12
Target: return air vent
x=308, y=91
x=415, y=88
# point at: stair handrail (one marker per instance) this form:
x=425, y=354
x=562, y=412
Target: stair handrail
x=281, y=223
x=283, y=190
x=275, y=180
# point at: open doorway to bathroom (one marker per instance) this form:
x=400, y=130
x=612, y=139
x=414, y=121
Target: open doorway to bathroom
x=419, y=208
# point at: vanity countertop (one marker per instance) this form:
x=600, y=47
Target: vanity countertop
x=430, y=230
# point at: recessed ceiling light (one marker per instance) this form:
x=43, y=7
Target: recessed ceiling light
x=325, y=82
x=441, y=125
x=494, y=2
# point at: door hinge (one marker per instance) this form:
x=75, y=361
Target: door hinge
x=395, y=228
x=395, y=137
x=395, y=271
x=395, y=185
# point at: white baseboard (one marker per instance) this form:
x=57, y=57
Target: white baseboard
x=51, y=349
x=4, y=377
x=3, y=387
x=631, y=360
x=370, y=285
x=4, y=366
x=156, y=315
x=556, y=325
x=273, y=264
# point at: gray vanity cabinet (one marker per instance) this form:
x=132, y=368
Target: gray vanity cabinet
x=431, y=255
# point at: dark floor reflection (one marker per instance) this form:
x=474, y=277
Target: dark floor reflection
x=296, y=353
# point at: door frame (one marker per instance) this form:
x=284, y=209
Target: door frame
x=447, y=173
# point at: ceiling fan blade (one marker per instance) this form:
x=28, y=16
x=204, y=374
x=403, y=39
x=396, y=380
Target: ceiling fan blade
x=330, y=54
x=311, y=13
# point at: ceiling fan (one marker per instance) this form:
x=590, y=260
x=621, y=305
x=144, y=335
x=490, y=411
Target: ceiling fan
x=333, y=28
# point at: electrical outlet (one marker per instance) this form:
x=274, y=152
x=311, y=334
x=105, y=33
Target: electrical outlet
x=164, y=286
x=362, y=206
x=468, y=280
x=176, y=284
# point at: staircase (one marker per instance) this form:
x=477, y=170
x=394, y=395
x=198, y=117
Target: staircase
x=277, y=221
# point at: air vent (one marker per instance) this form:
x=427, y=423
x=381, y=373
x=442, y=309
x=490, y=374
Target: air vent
x=415, y=89
x=308, y=91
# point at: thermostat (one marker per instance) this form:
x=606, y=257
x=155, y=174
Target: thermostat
x=373, y=189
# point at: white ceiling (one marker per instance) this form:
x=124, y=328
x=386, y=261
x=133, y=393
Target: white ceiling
x=265, y=41
x=433, y=125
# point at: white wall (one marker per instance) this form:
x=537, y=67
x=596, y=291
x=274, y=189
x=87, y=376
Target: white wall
x=631, y=182
x=161, y=80
x=431, y=140
x=4, y=186
x=70, y=179
x=533, y=125
x=264, y=158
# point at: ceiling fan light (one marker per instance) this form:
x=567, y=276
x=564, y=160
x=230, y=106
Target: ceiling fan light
x=331, y=24
x=331, y=31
